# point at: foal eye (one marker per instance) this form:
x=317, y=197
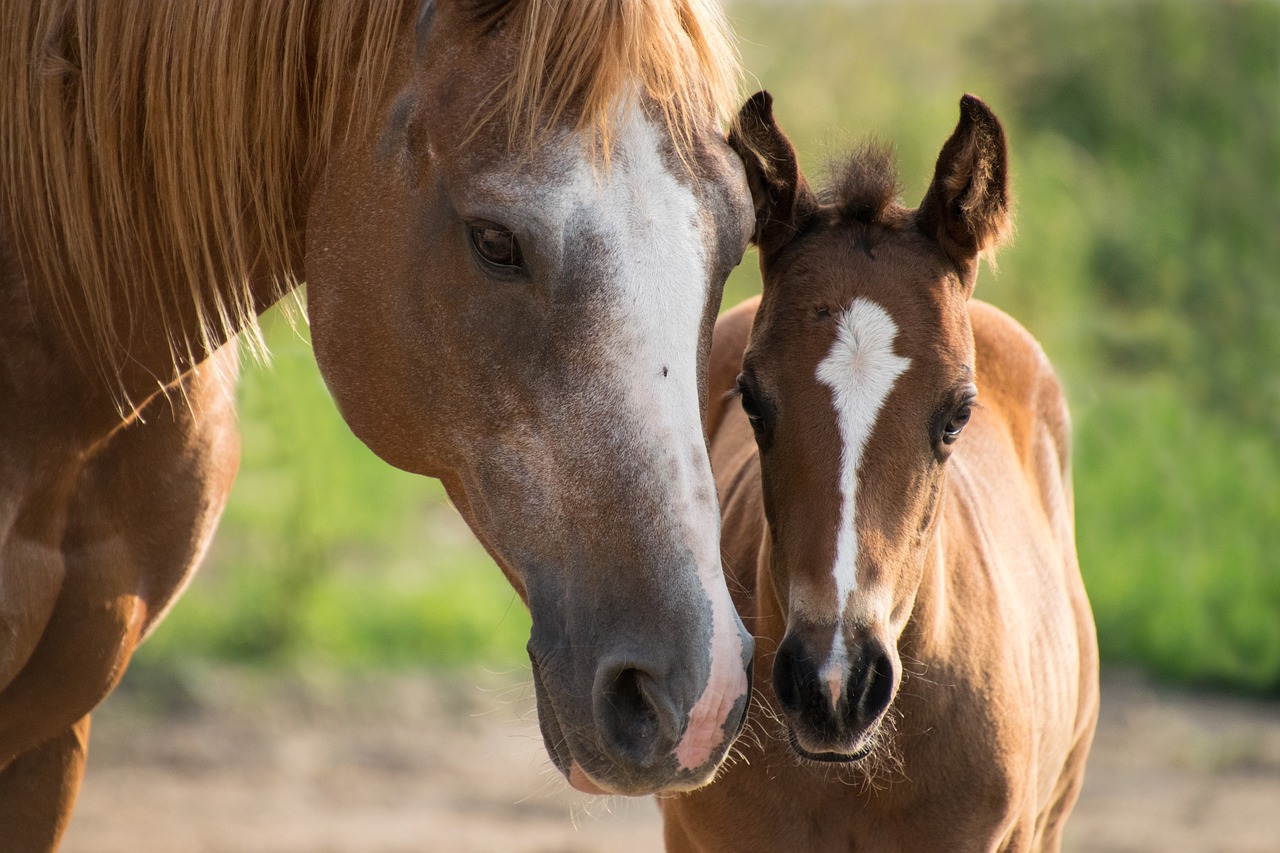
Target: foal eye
x=749, y=405
x=496, y=246
x=960, y=417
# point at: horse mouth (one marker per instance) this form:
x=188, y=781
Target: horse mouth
x=557, y=745
x=865, y=747
x=552, y=735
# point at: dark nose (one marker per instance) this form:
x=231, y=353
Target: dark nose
x=865, y=686
x=639, y=723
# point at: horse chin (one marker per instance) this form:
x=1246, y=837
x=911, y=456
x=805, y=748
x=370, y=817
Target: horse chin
x=557, y=744
x=549, y=723
x=580, y=781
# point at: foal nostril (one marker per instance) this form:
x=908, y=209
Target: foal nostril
x=875, y=690
x=789, y=675
x=634, y=715
x=799, y=688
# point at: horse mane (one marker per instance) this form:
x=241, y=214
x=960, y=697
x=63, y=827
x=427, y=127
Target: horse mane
x=151, y=152
x=587, y=55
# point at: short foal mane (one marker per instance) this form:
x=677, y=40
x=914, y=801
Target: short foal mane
x=864, y=186
x=585, y=55
x=151, y=153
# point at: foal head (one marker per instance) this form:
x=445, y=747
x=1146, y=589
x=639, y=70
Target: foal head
x=858, y=380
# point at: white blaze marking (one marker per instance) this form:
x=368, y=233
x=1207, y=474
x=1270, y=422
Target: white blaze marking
x=652, y=225
x=649, y=223
x=861, y=370
x=836, y=670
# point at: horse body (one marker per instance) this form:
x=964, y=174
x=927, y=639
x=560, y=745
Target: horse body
x=981, y=743
x=512, y=280
x=103, y=524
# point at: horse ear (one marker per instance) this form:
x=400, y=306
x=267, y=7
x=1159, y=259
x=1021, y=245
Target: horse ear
x=782, y=197
x=966, y=208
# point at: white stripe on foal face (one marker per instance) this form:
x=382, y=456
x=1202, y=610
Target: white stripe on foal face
x=861, y=370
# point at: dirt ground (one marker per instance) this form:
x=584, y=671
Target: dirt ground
x=228, y=762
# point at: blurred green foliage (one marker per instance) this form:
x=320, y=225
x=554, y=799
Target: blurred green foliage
x=1146, y=145
x=326, y=555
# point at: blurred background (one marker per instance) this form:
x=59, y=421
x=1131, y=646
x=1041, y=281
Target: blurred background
x=1145, y=139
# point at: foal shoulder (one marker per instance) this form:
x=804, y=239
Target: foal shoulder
x=728, y=343
x=1016, y=380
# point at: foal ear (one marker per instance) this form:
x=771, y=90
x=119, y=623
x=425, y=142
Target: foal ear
x=782, y=197
x=966, y=208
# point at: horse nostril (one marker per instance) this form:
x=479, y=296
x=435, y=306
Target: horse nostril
x=631, y=701
x=630, y=711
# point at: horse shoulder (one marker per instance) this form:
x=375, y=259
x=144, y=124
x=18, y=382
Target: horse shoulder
x=728, y=343
x=136, y=520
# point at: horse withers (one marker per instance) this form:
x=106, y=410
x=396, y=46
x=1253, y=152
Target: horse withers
x=515, y=219
x=897, y=524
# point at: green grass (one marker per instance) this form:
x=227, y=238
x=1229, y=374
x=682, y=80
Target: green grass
x=1177, y=532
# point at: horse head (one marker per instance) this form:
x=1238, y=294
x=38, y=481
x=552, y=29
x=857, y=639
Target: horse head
x=521, y=305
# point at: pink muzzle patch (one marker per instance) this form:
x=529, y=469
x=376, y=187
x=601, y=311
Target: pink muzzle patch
x=580, y=781
x=726, y=687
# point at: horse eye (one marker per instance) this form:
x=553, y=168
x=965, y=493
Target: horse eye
x=496, y=246
x=956, y=423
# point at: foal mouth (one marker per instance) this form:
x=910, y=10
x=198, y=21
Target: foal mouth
x=865, y=747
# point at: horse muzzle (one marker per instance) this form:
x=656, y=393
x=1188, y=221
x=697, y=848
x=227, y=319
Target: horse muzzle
x=646, y=729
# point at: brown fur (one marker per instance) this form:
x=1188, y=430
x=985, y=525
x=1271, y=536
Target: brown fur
x=967, y=564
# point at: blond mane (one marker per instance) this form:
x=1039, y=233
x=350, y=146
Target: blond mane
x=152, y=151
x=587, y=55
x=153, y=154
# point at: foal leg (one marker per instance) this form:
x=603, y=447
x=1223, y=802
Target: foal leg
x=38, y=790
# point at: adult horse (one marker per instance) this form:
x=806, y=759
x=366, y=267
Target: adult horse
x=898, y=525
x=515, y=220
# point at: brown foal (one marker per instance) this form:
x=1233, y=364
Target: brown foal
x=897, y=524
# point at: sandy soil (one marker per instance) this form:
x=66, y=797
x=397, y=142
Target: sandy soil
x=228, y=762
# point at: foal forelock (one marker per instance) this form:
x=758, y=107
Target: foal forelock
x=861, y=370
